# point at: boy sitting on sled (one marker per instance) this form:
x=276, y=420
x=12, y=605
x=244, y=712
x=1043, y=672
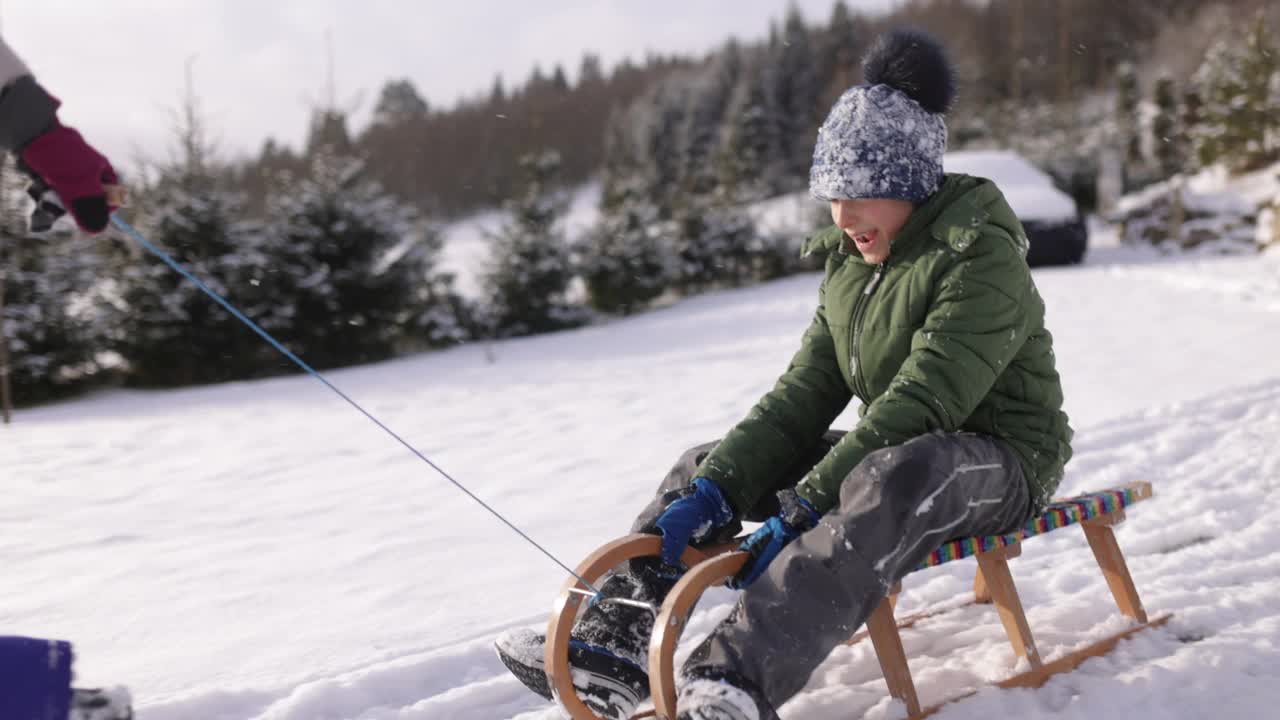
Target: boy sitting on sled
x=929, y=316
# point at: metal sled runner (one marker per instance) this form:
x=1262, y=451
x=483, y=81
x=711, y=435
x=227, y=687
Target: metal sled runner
x=1096, y=513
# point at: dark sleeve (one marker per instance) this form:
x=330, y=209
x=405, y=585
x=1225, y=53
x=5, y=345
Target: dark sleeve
x=26, y=111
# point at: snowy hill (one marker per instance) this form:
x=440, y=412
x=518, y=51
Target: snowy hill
x=258, y=550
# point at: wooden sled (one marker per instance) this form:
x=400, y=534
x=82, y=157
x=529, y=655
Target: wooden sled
x=1096, y=513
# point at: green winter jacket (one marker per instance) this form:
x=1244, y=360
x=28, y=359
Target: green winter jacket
x=947, y=334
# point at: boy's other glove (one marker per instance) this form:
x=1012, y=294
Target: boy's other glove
x=763, y=545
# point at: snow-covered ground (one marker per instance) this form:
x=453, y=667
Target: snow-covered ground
x=259, y=550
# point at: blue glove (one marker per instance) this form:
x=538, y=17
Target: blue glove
x=694, y=517
x=796, y=516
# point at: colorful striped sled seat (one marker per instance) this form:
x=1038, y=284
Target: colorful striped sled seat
x=1059, y=514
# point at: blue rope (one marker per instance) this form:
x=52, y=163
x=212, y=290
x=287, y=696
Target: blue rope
x=120, y=223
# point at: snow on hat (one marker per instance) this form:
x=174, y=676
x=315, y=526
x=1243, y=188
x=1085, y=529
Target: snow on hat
x=885, y=139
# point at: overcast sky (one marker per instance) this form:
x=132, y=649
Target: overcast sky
x=260, y=64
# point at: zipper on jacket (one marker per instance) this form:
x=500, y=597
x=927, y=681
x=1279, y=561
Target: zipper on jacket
x=855, y=329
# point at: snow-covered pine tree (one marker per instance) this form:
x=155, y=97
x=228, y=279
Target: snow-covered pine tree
x=622, y=170
x=838, y=48
x=1167, y=134
x=624, y=260
x=658, y=117
x=444, y=317
x=529, y=268
x=748, y=159
x=1189, y=119
x=347, y=290
x=797, y=92
x=777, y=255
x=359, y=268
x=55, y=324
x=1239, y=122
x=171, y=332
x=713, y=244
x=1128, y=124
x=698, y=135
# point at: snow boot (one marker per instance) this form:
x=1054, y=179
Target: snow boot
x=609, y=645
x=100, y=704
x=610, y=685
x=716, y=700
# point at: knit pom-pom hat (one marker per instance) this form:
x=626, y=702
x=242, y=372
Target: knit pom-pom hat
x=885, y=139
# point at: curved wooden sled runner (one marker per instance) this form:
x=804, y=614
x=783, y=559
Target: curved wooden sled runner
x=570, y=602
x=1096, y=513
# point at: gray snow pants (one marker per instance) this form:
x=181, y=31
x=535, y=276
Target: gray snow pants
x=896, y=507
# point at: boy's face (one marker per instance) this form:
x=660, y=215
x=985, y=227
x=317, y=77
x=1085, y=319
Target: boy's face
x=871, y=224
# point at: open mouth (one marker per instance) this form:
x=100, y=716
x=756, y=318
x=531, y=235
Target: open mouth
x=865, y=239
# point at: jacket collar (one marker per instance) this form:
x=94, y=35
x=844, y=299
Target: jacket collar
x=954, y=216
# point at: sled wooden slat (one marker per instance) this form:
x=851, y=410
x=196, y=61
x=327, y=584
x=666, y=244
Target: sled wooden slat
x=994, y=567
x=1036, y=678
x=893, y=658
x=1102, y=540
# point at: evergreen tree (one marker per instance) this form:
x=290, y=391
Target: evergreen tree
x=621, y=174
x=698, y=135
x=1127, y=123
x=796, y=90
x=172, y=333
x=623, y=260
x=750, y=140
x=348, y=266
x=328, y=134
x=1239, y=121
x=399, y=103
x=839, y=47
x=444, y=317
x=774, y=256
x=55, y=320
x=658, y=126
x=713, y=245
x=1167, y=134
x=1192, y=104
x=529, y=268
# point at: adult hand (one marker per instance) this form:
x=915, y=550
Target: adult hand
x=56, y=157
x=74, y=170
x=763, y=545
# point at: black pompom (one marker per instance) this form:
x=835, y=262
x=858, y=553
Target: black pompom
x=914, y=62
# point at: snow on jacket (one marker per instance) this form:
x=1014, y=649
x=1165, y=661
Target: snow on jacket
x=947, y=334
